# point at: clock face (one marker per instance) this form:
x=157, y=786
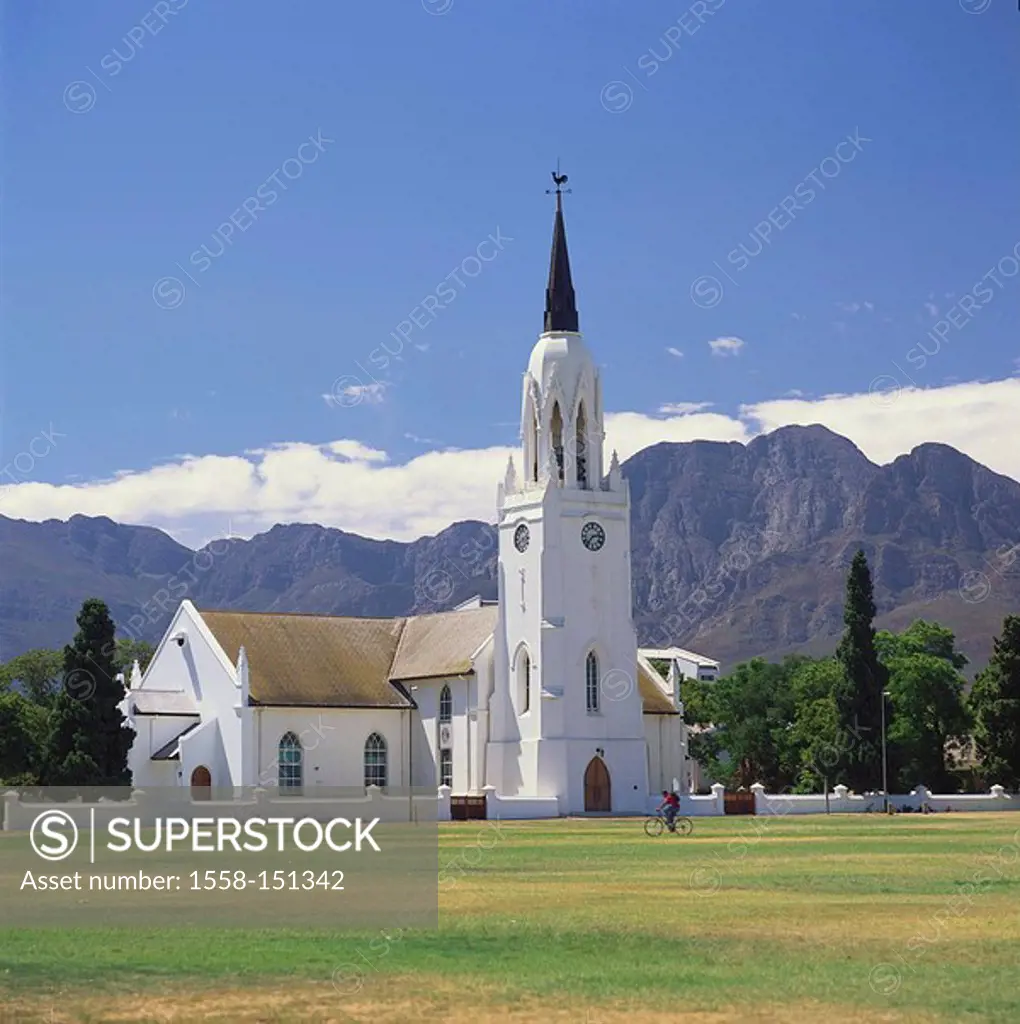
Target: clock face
x=592, y=536
x=521, y=538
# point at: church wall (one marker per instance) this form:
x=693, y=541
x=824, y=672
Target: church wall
x=205, y=746
x=667, y=754
x=426, y=740
x=333, y=743
x=200, y=669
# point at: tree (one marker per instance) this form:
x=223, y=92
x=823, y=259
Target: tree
x=926, y=696
x=995, y=703
x=129, y=651
x=816, y=730
x=22, y=737
x=89, y=742
x=859, y=695
x=751, y=712
x=921, y=637
x=35, y=673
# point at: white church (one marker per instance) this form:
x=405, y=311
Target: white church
x=542, y=695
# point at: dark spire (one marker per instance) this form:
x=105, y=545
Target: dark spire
x=560, y=306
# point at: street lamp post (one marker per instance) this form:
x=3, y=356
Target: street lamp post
x=410, y=759
x=885, y=765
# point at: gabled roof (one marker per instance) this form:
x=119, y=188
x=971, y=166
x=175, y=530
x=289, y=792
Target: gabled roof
x=172, y=751
x=667, y=653
x=654, y=700
x=442, y=644
x=333, y=661
x=313, y=660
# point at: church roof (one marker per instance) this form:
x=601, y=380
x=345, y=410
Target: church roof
x=313, y=660
x=654, y=700
x=339, y=661
x=442, y=644
x=560, y=305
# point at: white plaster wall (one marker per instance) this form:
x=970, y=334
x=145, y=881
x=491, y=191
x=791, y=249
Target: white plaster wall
x=204, y=746
x=200, y=669
x=574, y=601
x=426, y=741
x=666, y=737
x=333, y=741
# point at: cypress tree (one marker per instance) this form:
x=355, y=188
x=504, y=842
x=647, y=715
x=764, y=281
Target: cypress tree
x=859, y=693
x=995, y=703
x=89, y=741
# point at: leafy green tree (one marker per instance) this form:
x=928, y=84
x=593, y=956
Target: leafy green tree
x=751, y=711
x=129, y=651
x=23, y=727
x=926, y=694
x=89, y=742
x=995, y=703
x=821, y=745
x=35, y=673
x=859, y=695
x=921, y=637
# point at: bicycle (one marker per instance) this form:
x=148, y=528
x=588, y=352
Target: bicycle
x=656, y=824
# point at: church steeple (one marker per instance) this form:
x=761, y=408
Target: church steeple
x=560, y=305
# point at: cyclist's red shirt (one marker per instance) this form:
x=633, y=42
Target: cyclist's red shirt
x=673, y=800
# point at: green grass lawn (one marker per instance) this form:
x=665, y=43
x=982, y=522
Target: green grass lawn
x=847, y=918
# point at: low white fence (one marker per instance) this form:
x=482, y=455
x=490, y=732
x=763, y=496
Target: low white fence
x=17, y=814
x=842, y=801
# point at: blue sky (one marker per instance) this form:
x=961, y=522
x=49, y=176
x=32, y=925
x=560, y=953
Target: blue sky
x=133, y=132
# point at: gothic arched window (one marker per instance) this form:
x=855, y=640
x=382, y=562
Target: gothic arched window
x=289, y=763
x=556, y=428
x=581, y=457
x=445, y=705
x=591, y=681
x=534, y=448
x=523, y=682
x=375, y=761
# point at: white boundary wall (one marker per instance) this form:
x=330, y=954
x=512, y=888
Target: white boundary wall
x=842, y=801
x=18, y=815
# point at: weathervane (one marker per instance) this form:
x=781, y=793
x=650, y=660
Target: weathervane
x=560, y=180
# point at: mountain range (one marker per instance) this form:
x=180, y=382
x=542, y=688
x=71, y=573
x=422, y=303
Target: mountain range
x=737, y=550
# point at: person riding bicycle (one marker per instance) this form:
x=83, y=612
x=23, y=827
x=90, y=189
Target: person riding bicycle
x=670, y=808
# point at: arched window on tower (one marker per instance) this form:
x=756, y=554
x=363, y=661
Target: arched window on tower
x=556, y=425
x=523, y=682
x=591, y=681
x=534, y=448
x=582, y=448
x=445, y=705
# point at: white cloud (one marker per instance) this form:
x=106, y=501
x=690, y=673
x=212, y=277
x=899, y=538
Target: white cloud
x=675, y=352
x=683, y=408
x=726, y=346
x=794, y=393
x=347, y=395
x=931, y=309
x=347, y=484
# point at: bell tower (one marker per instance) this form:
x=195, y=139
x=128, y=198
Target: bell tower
x=566, y=717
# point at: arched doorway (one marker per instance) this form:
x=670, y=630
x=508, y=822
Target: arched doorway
x=201, y=783
x=597, y=795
